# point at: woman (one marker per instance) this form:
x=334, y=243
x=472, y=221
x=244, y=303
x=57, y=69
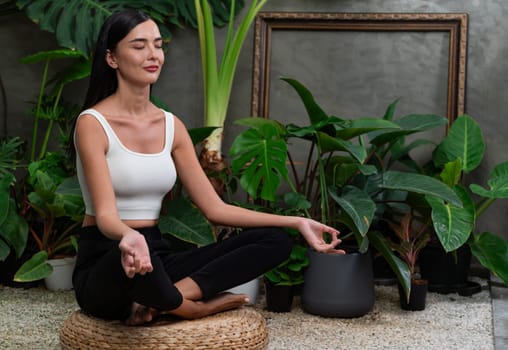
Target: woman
x=129, y=153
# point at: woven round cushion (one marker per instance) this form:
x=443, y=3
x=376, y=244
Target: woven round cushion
x=243, y=328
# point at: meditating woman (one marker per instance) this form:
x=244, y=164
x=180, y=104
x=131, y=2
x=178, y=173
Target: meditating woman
x=128, y=156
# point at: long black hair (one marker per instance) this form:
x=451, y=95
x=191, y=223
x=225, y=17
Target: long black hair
x=103, y=81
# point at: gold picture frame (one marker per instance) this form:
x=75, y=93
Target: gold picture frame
x=455, y=25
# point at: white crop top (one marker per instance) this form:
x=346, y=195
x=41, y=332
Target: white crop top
x=140, y=180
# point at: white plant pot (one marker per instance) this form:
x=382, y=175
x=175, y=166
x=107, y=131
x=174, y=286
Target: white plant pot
x=61, y=277
x=250, y=288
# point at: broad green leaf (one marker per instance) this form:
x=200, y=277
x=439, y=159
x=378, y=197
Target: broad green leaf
x=332, y=144
x=408, y=125
x=464, y=141
x=184, y=221
x=398, y=266
x=314, y=111
x=419, y=183
x=14, y=230
x=498, y=183
x=5, y=184
x=360, y=126
x=51, y=55
x=34, y=269
x=259, y=123
x=452, y=172
x=452, y=224
x=492, y=252
x=259, y=156
x=358, y=206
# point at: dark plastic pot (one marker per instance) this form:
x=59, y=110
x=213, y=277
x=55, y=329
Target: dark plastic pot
x=445, y=272
x=338, y=285
x=417, y=296
x=278, y=298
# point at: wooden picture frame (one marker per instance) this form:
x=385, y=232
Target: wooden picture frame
x=453, y=25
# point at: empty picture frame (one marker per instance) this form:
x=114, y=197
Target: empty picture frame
x=348, y=60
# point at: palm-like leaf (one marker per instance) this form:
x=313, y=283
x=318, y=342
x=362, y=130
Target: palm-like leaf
x=260, y=155
x=76, y=23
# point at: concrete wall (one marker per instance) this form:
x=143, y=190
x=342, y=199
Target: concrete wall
x=180, y=84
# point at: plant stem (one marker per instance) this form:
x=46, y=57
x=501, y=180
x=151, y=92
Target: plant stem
x=38, y=110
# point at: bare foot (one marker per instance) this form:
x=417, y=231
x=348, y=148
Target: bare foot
x=226, y=301
x=140, y=314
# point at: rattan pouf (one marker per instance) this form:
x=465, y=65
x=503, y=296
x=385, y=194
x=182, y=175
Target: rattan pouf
x=243, y=328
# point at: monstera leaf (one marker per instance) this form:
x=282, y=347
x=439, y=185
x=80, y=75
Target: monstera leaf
x=76, y=23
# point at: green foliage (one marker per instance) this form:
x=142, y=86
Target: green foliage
x=290, y=272
x=347, y=176
x=76, y=23
x=185, y=222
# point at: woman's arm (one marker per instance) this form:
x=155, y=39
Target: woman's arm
x=92, y=145
x=217, y=211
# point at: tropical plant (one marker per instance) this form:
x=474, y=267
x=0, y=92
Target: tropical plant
x=347, y=184
x=218, y=78
x=459, y=154
x=409, y=240
x=13, y=227
x=76, y=23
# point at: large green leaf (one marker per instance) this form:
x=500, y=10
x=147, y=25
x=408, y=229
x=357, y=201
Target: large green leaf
x=76, y=23
x=314, y=111
x=498, y=183
x=14, y=230
x=34, y=269
x=184, y=221
x=332, y=144
x=398, y=266
x=358, y=205
x=464, y=141
x=259, y=156
x=419, y=183
x=453, y=224
x=408, y=125
x=356, y=127
x=492, y=252
x=4, y=250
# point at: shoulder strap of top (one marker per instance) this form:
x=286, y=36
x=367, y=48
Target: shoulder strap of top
x=102, y=120
x=170, y=130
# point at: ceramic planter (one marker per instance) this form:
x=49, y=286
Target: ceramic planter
x=338, y=285
x=250, y=288
x=61, y=277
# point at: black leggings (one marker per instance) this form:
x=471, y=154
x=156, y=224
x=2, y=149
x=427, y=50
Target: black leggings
x=103, y=289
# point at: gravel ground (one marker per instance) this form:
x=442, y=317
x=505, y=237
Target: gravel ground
x=31, y=318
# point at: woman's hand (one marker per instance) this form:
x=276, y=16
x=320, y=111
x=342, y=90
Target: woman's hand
x=314, y=231
x=135, y=254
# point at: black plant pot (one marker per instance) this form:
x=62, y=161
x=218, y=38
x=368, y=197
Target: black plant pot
x=278, y=298
x=445, y=273
x=338, y=285
x=417, y=296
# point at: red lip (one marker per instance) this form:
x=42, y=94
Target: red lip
x=151, y=69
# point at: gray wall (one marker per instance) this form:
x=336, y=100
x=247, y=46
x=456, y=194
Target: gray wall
x=180, y=84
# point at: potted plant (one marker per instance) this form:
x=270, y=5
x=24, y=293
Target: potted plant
x=459, y=154
x=408, y=242
x=218, y=79
x=281, y=281
x=348, y=184
x=51, y=202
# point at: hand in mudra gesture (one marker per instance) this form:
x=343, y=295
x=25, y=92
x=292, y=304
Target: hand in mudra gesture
x=135, y=255
x=314, y=232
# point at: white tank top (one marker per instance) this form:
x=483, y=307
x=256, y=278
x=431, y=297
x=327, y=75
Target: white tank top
x=140, y=180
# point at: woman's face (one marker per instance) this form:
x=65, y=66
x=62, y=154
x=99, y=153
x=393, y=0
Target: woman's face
x=138, y=58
